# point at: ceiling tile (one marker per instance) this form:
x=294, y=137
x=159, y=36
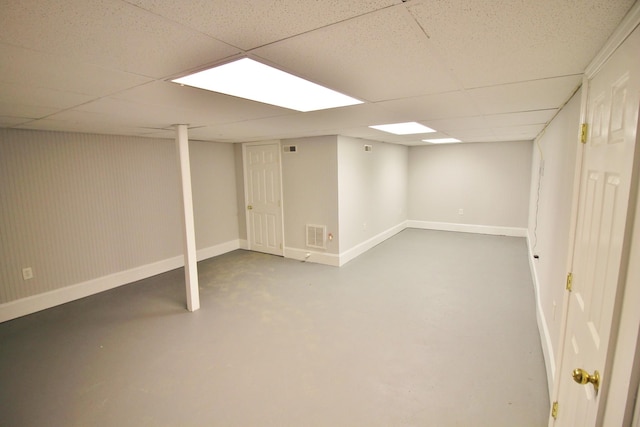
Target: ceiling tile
x=202, y=105
x=250, y=24
x=501, y=41
x=484, y=70
x=379, y=56
x=299, y=124
x=113, y=34
x=81, y=126
x=131, y=114
x=406, y=139
x=362, y=132
x=526, y=96
x=526, y=132
x=81, y=121
x=8, y=121
x=474, y=135
x=30, y=111
x=37, y=69
x=521, y=118
x=42, y=97
x=432, y=107
x=460, y=123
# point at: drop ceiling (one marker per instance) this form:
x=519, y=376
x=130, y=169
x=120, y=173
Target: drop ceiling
x=476, y=70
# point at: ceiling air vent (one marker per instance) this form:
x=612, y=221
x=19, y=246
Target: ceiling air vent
x=316, y=236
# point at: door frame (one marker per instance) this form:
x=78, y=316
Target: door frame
x=246, y=188
x=620, y=397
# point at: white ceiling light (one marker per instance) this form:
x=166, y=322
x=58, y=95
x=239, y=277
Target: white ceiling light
x=441, y=140
x=249, y=79
x=408, y=128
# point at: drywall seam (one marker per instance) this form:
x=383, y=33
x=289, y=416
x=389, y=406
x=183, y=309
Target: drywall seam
x=32, y=304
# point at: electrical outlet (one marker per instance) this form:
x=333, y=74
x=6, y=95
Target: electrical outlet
x=460, y=211
x=27, y=273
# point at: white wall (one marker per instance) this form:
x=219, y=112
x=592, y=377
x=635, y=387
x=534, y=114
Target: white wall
x=310, y=190
x=78, y=208
x=550, y=218
x=213, y=180
x=489, y=181
x=372, y=192
x=81, y=208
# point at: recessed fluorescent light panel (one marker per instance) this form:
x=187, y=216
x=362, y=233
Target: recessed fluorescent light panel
x=441, y=140
x=408, y=128
x=249, y=79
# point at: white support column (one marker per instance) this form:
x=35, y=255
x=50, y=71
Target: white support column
x=190, y=260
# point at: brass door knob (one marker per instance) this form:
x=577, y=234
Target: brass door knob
x=249, y=207
x=583, y=377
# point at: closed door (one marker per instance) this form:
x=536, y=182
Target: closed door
x=603, y=230
x=263, y=197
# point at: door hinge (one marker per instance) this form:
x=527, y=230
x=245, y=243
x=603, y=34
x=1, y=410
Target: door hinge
x=583, y=133
x=569, y=286
x=554, y=410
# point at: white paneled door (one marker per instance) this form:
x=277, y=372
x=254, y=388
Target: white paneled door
x=603, y=230
x=263, y=197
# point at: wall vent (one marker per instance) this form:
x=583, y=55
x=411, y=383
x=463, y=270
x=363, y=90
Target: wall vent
x=368, y=147
x=290, y=149
x=316, y=236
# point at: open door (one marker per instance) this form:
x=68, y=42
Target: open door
x=601, y=250
x=263, y=197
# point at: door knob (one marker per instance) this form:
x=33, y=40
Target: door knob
x=582, y=377
x=249, y=207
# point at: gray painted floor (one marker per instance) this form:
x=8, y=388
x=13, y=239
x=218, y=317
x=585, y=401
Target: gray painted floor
x=427, y=329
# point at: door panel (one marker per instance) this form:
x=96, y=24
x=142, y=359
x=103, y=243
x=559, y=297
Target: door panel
x=602, y=226
x=264, y=206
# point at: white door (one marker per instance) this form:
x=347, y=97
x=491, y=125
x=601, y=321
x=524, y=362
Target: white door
x=603, y=232
x=263, y=197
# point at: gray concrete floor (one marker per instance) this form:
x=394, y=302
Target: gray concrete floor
x=427, y=329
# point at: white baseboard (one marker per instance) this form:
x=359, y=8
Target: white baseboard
x=361, y=248
x=468, y=228
x=213, y=251
x=344, y=257
x=35, y=303
x=314, y=256
x=545, y=337
x=244, y=244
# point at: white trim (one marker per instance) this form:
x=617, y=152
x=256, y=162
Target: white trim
x=35, y=303
x=244, y=244
x=361, y=248
x=573, y=229
x=468, y=228
x=222, y=248
x=314, y=256
x=626, y=27
x=543, y=329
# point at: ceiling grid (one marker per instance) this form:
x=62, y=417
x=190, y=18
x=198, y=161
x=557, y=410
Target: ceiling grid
x=481, y=70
